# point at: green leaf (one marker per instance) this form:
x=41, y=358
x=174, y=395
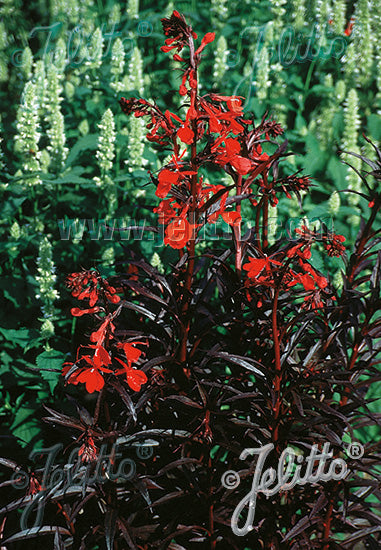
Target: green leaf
x=24, y=337
x=374, y=127
x=51, y=359
x=70, y=177
x=337, y=171
x=90, y=141
x=25, y=425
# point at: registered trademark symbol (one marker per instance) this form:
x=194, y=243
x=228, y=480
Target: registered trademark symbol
x=355, y=450
x=144, y=28
x=144, y=451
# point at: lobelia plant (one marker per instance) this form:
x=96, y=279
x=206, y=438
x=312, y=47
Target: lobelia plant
x=231, y=350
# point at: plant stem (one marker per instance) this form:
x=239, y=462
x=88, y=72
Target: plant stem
x=327, y=524
x=265, y=216
x=257, y=220
x=265, y=222
x=278, y=368
x=192, y=217
x=237, y=233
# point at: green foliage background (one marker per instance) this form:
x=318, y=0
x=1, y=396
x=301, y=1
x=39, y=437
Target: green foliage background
x=54, y=166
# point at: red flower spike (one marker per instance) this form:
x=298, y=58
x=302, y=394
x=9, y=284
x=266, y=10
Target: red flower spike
x=176, y=27
x=333, y=245
x=88, y=451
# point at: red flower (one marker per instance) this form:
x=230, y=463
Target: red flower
x=133, y=271
x=179, y=232
x=88, y=451
x=166, y=210
x=297, y=251
x=92, y=378
x=256, y=265
x=185, y=134
x=167, y=178
x=100, y=358
x=349, y=29
x=107, y=327
x=209, y=37
x=229, y=153
x=177, y=29
x=34, y=485
x=307, y=281
x=333, y=245
x=232, y=218
x=132, y=353
x=134, y=377
x=84, y=285
x=77, y=312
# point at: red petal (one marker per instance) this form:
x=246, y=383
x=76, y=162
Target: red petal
x=168, y=176
x=135, y=379
x=77, y=312
x=242, y=165
x=232, y=218
x=186, y=135
x=254, y=267
x=209, y=37
x=93, y=379
x=167, y=48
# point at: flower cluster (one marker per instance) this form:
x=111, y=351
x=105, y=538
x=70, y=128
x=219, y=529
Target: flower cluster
x=105, y=354
x=276, y=272
x=28, y=134
x=88, y=450
x=215, y=132
x=46, y=279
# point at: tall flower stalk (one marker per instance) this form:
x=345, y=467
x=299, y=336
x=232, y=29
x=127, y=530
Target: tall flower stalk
x=28, y=134
x=189, y=202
